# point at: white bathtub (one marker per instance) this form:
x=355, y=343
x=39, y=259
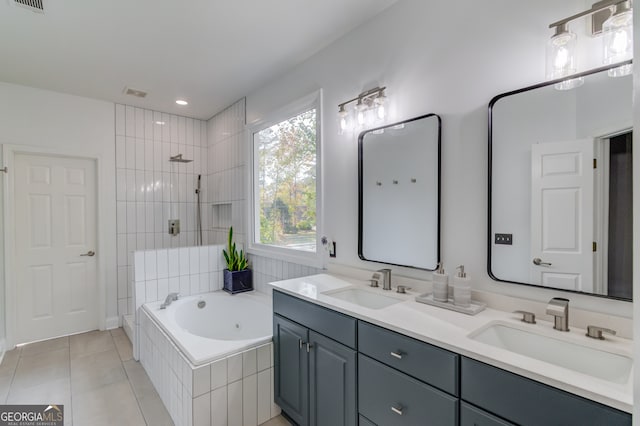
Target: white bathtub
x=227, y=324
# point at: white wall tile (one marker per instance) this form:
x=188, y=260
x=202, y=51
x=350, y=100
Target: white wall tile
x=201, y=380
x=184, y=261
x=202, y=410
x=234, y=404
x=264, y=396
x=263, y=357
x=194, y=260
x=139, y=117
x=130, y=121
x=173, y=256
x=185, y=285
x=219, y=374
x=150, y=266
x=151, y=291
x=139, y=263
x=250, y=400
x=219, y=407
x=120, y=119
x=162, y=263
x=163, y=288
x=249, y=363
x=234, y=368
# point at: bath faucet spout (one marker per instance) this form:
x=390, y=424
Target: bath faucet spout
x=170, y=298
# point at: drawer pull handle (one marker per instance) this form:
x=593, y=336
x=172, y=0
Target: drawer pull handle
x=398, y=411
x=397, y=354
x=300, y=343
x=309, y=346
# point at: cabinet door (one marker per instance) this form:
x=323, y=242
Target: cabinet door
x=291, y=369
x=332, y=383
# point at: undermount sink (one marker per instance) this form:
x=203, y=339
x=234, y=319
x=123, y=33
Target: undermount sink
x=584, y=359
x=365, y=298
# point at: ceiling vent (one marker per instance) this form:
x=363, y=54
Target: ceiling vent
x=135, y=92
x=33, y=5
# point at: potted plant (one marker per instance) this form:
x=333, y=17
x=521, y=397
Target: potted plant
x=237, y=276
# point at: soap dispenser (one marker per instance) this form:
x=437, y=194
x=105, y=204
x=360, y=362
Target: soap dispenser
x=440, y=284
x=461, y=288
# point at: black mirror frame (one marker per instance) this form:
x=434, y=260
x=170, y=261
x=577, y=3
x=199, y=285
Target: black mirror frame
x=360, y=187
x=490, y=168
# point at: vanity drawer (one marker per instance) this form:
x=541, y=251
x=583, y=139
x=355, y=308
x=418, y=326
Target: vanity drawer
x=332, y=324
x=473, y=416
x=435, y=366
x=527, y=402
x=382, y=388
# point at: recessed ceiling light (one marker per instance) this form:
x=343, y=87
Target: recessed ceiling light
x=160, y=123
x=182, y=102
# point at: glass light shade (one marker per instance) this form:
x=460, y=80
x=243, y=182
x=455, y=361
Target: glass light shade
x=344, y=121
x=561, y=59
x=617, y=37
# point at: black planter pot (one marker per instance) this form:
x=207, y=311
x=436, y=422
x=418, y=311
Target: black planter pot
x=238, y=281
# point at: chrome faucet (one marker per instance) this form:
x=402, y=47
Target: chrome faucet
x=170, y=298
x=559, y=308
x=386, y=278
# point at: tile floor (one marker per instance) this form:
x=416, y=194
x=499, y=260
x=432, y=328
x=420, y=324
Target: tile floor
x=93, y=374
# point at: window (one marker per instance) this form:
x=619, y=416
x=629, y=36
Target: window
x=286, y=216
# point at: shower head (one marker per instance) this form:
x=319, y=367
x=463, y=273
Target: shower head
x=178, y=159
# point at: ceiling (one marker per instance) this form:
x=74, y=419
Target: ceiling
x=209, y=52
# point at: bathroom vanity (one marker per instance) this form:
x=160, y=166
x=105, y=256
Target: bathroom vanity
x=350, y=362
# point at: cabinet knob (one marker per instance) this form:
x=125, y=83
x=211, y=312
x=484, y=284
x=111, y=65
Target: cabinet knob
x=300, y=343
x=397, y=410
x=397, y=354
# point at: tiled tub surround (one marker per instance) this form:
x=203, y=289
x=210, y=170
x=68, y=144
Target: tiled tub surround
x=186, y=270
x=234, y=390
x=150, y=190
x=450, y=330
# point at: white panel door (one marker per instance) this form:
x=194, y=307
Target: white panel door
x=55, y=212
x=562, y=214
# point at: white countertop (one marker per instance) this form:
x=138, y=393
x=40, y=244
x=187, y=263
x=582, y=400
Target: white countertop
x=449, y=330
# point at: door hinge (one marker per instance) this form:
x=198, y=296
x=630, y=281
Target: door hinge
x=595, y=246
x=595, y=163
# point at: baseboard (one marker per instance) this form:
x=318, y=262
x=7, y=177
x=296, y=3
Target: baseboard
x=112, y=322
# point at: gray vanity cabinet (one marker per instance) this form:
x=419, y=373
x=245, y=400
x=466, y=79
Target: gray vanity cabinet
x=315, y=375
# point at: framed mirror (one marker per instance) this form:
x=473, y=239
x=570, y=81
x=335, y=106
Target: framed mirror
x=560, y=174
x=399, y=193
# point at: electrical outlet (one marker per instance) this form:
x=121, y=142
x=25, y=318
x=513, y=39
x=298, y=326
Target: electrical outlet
x=506, y=239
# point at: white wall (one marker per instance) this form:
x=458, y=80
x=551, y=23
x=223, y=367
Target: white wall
x=437, y=58
x=54, y=121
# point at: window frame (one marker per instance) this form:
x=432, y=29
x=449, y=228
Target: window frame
x=314, y=259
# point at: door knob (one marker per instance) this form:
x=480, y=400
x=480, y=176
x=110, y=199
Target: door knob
x=90, y=253
x=538, y=262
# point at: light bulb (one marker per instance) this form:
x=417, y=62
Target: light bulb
x=380, y=101
x=561, y=54
x=617, y=39
x=343, y=115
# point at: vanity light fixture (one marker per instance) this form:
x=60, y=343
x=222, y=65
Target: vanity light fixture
x=617, y=34
x=368, y=110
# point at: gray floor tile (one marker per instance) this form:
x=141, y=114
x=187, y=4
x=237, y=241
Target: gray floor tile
x=151, y=405
x=95, y=371
x=45, y=346
x=10, y=362
x=277, y=421
x=41, y=368
x=123, y=345
x=114, y=404
x=5, y=384
x=90, y=343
